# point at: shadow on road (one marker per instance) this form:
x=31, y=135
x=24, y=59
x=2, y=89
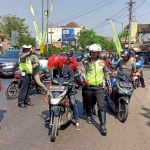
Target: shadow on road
x=146, y=114
x=2, y=114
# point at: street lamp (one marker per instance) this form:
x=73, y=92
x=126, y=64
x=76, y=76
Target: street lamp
x=118, y=22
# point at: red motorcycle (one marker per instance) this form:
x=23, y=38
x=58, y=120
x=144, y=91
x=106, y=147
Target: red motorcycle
x=12, y=89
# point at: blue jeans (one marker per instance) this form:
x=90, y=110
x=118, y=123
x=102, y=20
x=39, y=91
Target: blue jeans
x=74, y=103
x=113, y=83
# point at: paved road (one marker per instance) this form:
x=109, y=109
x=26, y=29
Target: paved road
x=23, y=129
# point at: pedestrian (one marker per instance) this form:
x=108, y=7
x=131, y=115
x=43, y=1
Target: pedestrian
x=25, y=67
x=94, y=92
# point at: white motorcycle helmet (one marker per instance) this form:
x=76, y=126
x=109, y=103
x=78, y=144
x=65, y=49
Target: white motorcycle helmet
x=95, y=48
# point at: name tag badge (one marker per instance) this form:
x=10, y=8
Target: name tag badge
x=23, y=74
x=101, y=64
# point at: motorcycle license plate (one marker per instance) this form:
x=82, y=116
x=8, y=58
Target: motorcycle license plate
x=57, y=88
x=126, y=84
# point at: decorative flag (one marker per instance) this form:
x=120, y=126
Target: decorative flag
x=35, y=25
x=117, y=41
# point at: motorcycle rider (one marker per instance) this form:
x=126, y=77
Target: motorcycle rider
x=105, y=58
x=139, y=67
x=95, y=71
x=36, y=68
x=62, y=70
x=125, y=66
x=71, y=61
x=25, y=67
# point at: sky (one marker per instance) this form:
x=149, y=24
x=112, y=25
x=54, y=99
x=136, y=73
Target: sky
x=88, y=13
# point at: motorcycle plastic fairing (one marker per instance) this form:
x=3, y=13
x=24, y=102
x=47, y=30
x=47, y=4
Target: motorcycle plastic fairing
x=57, y=111
x=14, y=81
x=55, y=101
x=126, y=99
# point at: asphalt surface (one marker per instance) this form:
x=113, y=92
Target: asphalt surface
x=23, y=129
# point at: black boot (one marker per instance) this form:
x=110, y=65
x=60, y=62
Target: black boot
x=102, y=119
x=89, y=115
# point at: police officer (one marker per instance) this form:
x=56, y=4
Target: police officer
x=94, y=92
x=25, y=67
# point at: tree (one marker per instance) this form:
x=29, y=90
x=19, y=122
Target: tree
x=88, y=37
x=124, y=35
x=9, y=23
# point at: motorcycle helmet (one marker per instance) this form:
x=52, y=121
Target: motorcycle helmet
x=95, y=48
x=55, y=60
x=103, y=54
x=70, y=52
x=125, y=53
x=26, y=48
x=137, y=56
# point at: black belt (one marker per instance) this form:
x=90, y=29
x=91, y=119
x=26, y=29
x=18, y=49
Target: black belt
x=99, y=85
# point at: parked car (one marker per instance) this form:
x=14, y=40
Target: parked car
x=9, y=62
x=78, y=55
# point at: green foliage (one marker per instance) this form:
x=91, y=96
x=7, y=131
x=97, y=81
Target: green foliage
x=9, y=23
x=88, y=37
x=55, y=50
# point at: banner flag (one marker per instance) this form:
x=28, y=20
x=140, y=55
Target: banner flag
x=117, y=41
x=35, y=25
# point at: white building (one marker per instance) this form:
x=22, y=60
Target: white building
x=55, y=31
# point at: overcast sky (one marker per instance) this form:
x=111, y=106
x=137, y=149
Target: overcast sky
x=89, y=13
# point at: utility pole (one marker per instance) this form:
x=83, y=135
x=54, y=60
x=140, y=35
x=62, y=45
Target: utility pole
x=47, y=22
x=130, y=20
x=51, y=35
x=42, y=16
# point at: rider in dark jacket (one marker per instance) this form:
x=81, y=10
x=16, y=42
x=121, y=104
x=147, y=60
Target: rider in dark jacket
x=63, y=71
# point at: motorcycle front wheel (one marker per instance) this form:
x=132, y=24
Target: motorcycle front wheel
x=54, y=129
x=12, y=91
x=123, y=113
x=135, y=84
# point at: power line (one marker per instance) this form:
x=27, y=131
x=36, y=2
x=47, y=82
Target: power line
x=110, y=2
x=110, y=17
x=83, y=10
x=74, y=10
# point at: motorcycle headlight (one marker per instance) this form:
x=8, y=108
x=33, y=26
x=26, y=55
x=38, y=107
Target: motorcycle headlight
x=8, y=64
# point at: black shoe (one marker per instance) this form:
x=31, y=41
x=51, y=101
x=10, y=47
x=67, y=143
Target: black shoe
x=93, y=111
x=22, y=105
x=47, y=120
x=89, y=120
x=84, y=112
x=143, y=86
x=29, y=104
x=103, y=129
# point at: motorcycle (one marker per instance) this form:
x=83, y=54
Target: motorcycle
x=12, y=89
x=60, y=107
x=136, y=80
x=121, y=97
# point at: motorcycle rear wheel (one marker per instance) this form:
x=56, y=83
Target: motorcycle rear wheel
x=123, y=114
x=54, y=129
x=12, y=91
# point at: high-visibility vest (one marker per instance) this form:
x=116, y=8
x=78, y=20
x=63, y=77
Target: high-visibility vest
x=26, y=66
x=95, y=75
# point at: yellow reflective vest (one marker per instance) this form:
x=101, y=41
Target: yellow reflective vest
x=26, y=66
x=95, y=75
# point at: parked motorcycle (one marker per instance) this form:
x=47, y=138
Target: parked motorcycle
x=121, y=97
x=59, y=105
x=12, y=89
